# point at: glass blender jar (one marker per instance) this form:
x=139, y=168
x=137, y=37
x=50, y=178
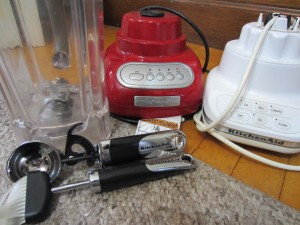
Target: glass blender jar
x=51, y=69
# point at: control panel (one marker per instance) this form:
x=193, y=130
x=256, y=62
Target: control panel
x=261, y=114
x=155, y=75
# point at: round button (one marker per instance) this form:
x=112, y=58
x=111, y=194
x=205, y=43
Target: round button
x=179, y=76
x=150, y=77
x=277, y=111
x=261, y=107
x=259, y=120
x=170, y=76
x=136, y=76
x=160, y=77
x=241, y=116
x=245, y=104
x=284, y=125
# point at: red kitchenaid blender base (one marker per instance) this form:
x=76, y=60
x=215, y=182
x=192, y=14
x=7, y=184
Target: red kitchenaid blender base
x=121, y=99
x=151, y=40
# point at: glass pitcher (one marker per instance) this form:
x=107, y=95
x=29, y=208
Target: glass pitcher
x=51, y=68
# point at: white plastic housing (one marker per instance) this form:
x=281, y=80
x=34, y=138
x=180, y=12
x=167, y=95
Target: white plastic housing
x=267, y=115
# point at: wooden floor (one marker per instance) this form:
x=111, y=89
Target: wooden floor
x=280, y=184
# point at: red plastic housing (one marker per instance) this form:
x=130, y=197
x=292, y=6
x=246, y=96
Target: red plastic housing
x=154, y=40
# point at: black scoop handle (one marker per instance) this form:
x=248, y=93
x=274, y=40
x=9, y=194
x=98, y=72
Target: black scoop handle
x=129, y=176
x=38, y=197
x=125, y=175
x=139, y=172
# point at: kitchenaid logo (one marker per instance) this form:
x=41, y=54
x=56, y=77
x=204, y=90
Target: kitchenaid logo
x=149, y=147
x=255, y=137
x=154, y=101
x=158, y=162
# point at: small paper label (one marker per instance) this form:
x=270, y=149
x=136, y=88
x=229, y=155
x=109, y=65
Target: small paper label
x=158, y=124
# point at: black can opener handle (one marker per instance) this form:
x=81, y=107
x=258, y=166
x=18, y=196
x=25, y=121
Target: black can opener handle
x=151, y=145
x=124, y=149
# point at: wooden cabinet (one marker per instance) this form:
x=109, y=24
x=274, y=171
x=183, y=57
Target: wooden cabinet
x=220, y=21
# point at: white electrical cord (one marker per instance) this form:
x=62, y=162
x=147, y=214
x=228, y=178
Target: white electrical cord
x=243, y=82
x=210, y=127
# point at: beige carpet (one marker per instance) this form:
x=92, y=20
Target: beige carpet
x=203, y=196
